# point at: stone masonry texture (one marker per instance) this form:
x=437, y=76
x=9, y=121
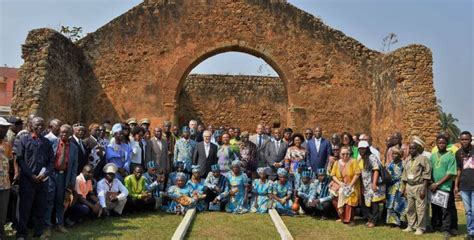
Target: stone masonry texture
x=137, y=66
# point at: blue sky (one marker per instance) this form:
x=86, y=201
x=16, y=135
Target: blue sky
x=445, y=26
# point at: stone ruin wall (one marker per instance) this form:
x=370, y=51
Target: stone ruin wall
x=233, y=100
x=136, y=66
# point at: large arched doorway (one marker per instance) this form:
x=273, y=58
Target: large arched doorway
x=234, y=99
x=240, y=96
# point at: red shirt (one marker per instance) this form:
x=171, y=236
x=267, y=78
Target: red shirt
x=57, y=160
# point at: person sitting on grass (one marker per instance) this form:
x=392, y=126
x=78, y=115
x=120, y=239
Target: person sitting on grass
x=87, y=201
x=321, y=195
x=305, y=193
x=172, y=176
x=261, y=188
x=281, y=193
x=138, y=198
x=155, y=184
x=111, y=192
x=181, y=196
x=217, y=189
x=196, y=184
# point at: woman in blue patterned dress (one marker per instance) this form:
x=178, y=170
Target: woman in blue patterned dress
x=281, y=193
x=196, y=185
x=237, y=189
x=181, y=196
x=396, y=203
x=261, y=189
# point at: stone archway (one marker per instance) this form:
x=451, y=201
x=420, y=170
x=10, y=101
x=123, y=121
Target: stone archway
x=135, y=65
x=243, y=109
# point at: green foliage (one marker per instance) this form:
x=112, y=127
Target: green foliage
x=73, y=33
x=448, y=123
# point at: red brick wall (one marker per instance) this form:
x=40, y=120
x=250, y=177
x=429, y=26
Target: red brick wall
x=8, y=77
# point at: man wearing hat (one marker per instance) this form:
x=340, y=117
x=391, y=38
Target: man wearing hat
x=5, y=185
x=111, y=192
x=305, y=192
x=155, y=183
x=184, y=149
x=118, y=152
x=145, y=123
x=15, y=127
x=132, y=122
x=416, y=176
x=321, y=197
x=217, y=188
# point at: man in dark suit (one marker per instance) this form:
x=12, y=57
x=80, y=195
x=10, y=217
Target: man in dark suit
x=205, y=154
x=260, y=140
x=275, y=151
x=62, y=178
x=78, y=139
x=318, y=150
x=95, y=151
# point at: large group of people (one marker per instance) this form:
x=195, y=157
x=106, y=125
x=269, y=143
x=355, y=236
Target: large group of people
x=55, y=178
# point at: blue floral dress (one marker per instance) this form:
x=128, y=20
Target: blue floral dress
x=396, y=203
x=261, y=199
x=236, y=203
x=200, y=189
x=174, y=192
x=281, y=191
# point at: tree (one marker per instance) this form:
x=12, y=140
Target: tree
x=74, y=33
x=448, y=123
x=388, y=41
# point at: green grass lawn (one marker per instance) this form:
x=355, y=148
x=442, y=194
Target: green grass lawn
x=302, y=227
x=148, y=225
x=213, y=225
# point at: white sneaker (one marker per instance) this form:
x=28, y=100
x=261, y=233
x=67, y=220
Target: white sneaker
x=419, y=232
x=408, y=229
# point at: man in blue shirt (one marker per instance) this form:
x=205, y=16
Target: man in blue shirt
x=34, y=155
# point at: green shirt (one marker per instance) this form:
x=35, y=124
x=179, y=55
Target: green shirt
x=443, y=165
x=135, y=188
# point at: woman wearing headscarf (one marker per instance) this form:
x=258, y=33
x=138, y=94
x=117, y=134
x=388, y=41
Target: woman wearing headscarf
x=261, y=189
x=181, y=196
x=196, y=184
x=119, y=152
x=238, y=185
x=373, y=188
x=396, y=202
x=281, y=193
x=345, y=186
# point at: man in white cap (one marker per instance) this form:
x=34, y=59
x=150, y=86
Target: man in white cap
x=111, y=192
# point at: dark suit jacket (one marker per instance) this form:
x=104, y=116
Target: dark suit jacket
x=318, y=159
x=199, y=157
x=71, y=165
x=83, y=157
x=272, y=155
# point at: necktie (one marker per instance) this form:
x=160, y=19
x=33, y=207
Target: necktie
x=259, y=140
x=62, y=158
x=142, y=150
x=82, y=146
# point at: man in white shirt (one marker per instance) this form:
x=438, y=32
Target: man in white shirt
x=111, y=192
